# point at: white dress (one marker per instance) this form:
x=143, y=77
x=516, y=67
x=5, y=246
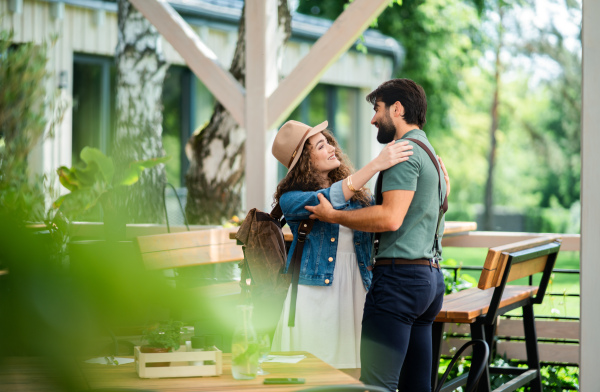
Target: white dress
x=328, y=318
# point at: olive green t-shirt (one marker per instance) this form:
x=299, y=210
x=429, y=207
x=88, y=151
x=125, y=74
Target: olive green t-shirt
x=414, y=239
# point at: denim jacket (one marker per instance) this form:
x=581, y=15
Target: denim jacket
x=320, y=248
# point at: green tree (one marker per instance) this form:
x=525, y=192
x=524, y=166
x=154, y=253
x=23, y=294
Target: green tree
x=440, y=38
x=216, y=151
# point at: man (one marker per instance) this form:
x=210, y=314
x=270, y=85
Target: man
x=407, y=288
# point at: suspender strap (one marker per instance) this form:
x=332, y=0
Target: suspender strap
x=437, y=166
x=303, y=230
x=444, y=205
x=378, y=200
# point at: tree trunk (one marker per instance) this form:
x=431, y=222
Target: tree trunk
x=216, y=152
x=488, y=215
x=141, y=69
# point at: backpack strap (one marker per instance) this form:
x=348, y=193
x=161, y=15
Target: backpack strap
x=277, y=214
x=303, y=231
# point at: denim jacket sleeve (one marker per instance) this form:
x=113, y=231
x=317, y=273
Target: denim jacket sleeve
x=293, y=203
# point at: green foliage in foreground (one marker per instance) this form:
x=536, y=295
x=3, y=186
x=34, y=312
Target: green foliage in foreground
x=95, y=179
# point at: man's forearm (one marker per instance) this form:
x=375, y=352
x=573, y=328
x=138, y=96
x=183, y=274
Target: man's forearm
x=372, y=219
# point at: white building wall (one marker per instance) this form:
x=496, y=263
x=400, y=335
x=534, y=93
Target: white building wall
x=93, y=31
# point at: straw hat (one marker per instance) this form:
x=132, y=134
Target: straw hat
x=290, y=140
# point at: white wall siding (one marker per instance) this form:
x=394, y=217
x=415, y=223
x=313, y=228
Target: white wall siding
x=79, y=32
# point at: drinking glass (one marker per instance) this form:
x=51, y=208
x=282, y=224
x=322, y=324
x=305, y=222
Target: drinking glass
x=264, y=347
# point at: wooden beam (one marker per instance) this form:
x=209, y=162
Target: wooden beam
x=340, y=36
x=201, y=60
x=492, y=239
x=261, y=76
x=590, y=187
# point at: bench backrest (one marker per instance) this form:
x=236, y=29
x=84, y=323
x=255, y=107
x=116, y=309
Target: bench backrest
x=497, y=260
x=176, y=250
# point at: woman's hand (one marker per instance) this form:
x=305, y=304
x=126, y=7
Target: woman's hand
x=446, y=177
x=392, y=154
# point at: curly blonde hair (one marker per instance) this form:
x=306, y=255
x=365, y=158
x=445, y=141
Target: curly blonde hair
x=302, y=178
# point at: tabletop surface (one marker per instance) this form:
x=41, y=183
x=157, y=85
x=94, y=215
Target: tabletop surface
x=28, y=374
x=312, y=369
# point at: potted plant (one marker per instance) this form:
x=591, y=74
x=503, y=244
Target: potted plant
x=162, y=337
x=94, y=181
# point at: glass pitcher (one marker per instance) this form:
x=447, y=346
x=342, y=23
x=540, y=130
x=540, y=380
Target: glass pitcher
x=244, y=346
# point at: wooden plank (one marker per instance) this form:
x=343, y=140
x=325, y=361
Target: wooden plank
x=527, y=268
x=500, y=268
x=183, y=240
x=497, y=257
x=455, y=227
x=467, y=308
x=489, y=272
x=490, y=239
x=549, y=352
x=96, y=229
x=340, y=36
x=545, y=329
x=201, y=60
x=220, y=253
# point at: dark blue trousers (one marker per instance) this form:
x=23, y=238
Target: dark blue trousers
x=400, y=307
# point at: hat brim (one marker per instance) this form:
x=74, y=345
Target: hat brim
x=316, y=129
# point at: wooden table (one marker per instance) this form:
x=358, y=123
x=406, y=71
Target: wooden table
x=315, y=371
x=37, y=374
x=451, y=228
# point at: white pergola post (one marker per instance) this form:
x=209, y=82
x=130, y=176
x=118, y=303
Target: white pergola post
x=261, y=79
x=590, y=196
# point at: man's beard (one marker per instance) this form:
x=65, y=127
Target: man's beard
x=386, y=132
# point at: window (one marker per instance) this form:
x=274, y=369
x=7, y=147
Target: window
x=94, y=82
x=187, y=106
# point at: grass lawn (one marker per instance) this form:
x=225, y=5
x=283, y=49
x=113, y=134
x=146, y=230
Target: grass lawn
x=561, y=283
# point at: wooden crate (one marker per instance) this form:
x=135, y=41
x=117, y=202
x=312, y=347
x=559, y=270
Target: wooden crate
x=182, y=368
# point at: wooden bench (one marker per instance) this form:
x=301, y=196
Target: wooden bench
x=480, y=307
x=189, y=248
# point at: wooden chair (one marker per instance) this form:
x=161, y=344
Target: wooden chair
x=480, y=307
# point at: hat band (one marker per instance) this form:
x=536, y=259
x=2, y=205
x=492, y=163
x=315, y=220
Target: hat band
x=298, y=147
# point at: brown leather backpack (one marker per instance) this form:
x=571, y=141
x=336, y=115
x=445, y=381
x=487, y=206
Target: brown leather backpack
x=263, y=280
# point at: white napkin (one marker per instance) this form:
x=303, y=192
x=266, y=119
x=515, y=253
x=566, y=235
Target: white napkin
x=107, y=360
x=285, y=358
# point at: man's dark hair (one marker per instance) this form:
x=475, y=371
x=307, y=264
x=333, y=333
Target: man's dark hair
x=408, y=93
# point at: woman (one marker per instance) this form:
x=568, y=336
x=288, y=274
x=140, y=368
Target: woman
x=335, y=271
